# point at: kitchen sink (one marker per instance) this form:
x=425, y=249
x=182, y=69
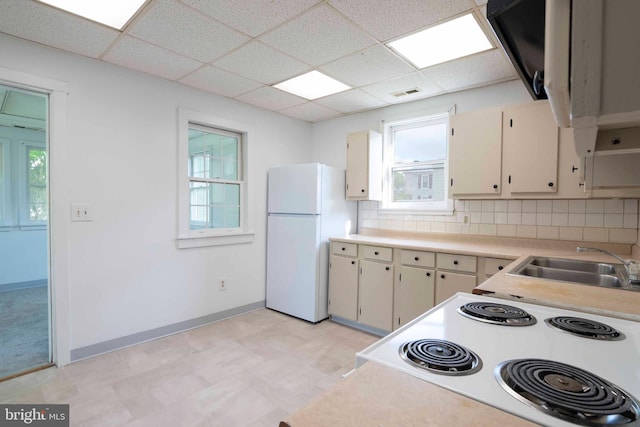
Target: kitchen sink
x=575, y=271
x=574, y=265
x=595, y=279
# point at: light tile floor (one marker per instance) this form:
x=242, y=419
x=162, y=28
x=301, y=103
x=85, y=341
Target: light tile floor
x=250, y=370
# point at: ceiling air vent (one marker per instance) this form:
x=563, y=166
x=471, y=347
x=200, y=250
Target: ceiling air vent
x=406, y=92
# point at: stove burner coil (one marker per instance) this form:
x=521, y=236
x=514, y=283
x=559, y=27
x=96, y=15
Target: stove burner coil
x=585, y=328
x=567, y=392
x=497, y=314
x=441, y=357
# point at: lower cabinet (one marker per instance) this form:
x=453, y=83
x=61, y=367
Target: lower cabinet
x=385, y=288
x=375, y=294
x=448, y=284
x=343, y=287
x=415, y=294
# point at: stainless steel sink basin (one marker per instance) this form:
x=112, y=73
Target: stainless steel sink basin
x=574, y=265
x=594, y=279
x=575, y=271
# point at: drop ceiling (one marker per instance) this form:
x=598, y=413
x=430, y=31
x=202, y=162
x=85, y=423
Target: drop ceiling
x=240, y=48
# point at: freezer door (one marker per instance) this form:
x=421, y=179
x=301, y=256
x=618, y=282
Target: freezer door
x=292, y=266
x=295, y=189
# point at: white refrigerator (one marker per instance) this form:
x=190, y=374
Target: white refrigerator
x=306, y=206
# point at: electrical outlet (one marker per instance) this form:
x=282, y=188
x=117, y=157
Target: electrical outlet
x=81, y=212
x=466, y=219
x=223, y=286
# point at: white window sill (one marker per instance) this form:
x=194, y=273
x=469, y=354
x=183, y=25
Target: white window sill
x=186, y=242
x=400, y=211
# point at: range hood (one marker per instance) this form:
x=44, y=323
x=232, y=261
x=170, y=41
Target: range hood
x=591, y=66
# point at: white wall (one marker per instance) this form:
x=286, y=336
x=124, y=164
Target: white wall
x=125, y=273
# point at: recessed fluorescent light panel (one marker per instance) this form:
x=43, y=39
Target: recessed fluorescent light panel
x=451, y=40
x=312, y=85
x=114, y=13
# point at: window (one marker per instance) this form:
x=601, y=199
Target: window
x=215, y=178
x=23, y=179
x=212, y=181
x=416, y=163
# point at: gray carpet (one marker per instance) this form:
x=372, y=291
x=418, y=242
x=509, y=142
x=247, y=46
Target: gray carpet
x=24, y=330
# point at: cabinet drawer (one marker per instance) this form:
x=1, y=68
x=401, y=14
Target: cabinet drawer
x=457, y=262
x=494, y=265
x=418, y=258
x=377, y=252
x=346, y=249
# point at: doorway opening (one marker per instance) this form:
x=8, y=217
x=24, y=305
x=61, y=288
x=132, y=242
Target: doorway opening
x=25, y=293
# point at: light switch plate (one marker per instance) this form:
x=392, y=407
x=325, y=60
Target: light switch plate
x=81, y=212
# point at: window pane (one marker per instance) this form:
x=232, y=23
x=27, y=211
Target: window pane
x=214, y=205
x=420, y=144
x=409, y=184
x=37, y=184
x=232, y=217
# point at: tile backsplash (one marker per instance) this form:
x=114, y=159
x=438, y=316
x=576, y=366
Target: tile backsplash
x=610, y=220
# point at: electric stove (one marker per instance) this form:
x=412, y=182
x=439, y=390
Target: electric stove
x=552, y=366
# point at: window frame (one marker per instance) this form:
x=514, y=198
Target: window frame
x=186, y=237
x=433, y=116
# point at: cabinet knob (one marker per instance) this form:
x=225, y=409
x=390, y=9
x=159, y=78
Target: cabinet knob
x=375, y=253
x=428, y=274
x=417, y=258
x=362, y=191
x=344, y=249
x=500, y=267
x=442, y=276
x=386, y=268
x=353, y=262
x=495, y=186
x=550, y=184
x=455, y=262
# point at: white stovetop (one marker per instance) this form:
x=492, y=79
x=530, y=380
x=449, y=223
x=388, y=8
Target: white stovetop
x=618, y=362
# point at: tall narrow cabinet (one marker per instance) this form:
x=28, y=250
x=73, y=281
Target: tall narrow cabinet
x=364, y=165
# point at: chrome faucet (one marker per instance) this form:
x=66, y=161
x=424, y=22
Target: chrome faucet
x=631, y=266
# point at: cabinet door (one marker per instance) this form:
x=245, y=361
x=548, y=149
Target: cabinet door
x=530, y=140
x=415, y=294
x=448, y=284
x=357, y=166
x=343, y=287
x=475, y=157
x=364, y=166
x=376, y=294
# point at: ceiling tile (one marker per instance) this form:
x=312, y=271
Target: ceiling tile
x=139, y=55
x=179, y=28
x=219, y=81
x=310, y=112
x=386, y=19
x=44, y=24
x=367, y=67
x=483, y=68
x=385, y=89
x=262, y=63
x=252, y=17
x=318, y=36
x=351, y=101
x=270, y=98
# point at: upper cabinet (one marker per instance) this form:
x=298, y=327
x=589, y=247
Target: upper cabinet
x=514, y=152
x=364, y=166
x=530, y=147
x=476, y=153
